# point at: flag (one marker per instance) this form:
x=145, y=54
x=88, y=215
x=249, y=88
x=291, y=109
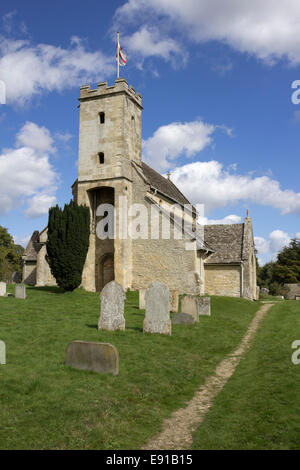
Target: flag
x=122, y=54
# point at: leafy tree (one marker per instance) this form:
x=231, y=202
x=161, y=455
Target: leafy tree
x=285, y=270
x=289, y=257
x=10, y=255
x=68, y=242
x=265, y=274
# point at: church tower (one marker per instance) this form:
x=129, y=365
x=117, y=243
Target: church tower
x=110, y=136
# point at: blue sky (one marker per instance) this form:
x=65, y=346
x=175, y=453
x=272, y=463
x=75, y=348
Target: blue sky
x=215, y=77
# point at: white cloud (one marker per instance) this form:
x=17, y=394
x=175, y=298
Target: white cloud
x=228, y=219
x=175, y=139
x=267, y=29
x=26, y=173
x=28, y=69
x=267, y=249
x=21, y=240
x=39, y=205
x=35, y=137
x=278, y=239
x=63, y=137
x=211, y=184
x=149, y=41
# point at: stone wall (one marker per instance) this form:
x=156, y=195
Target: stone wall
x=164, y=260
x=29, y=273
x=293, y=291
x=223, y=280
x=44, y=276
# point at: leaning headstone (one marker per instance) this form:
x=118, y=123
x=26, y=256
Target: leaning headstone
x=174, y=300
x=2, y=289
x=112, y=307
x=20, y=291
x=189, y=305
x=142, y=304
x=157, y=318
x=2, y=353
x=97, y=357
x=203, y=304
x=183, y=318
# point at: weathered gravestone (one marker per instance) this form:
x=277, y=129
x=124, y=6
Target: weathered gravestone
x=195, y=305
x=157, y=318
x=174, y=300
x=2, y=353
x=112, y=307
x=189, y=305
x=142, y=293
x=2, y=289
x=203, y=305
x=97, y=357
x=183, y=318
x=20, y=291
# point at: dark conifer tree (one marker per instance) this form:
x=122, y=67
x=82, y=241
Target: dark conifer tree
x=68, y=242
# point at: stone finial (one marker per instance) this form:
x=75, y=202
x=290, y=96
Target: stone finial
x=247, y=213
x=169, y=175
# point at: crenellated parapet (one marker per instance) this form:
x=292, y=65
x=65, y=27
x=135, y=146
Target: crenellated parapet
x=120, y=86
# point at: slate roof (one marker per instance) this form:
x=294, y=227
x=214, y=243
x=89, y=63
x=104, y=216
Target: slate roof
x=227, y=241
x=33, y=247
x=164, y=185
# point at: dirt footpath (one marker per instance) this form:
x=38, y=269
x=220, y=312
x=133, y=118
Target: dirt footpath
x=177, y=430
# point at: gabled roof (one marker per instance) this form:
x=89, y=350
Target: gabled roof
x=227, y=241
x=163, y=185
x=33, y=247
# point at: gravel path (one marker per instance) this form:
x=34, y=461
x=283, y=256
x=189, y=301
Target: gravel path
x=177, y=430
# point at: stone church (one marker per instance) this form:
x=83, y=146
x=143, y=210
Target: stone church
x=220, y=259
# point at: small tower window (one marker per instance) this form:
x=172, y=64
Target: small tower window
x=101, y=157
x=102, y=118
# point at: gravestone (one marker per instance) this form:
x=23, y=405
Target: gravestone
x=264, y=290
x=2, y=353
x=203, y=305
x=195, y=305
x=174, y=301
x=157, y=318
x=20, y=291
x=2, y=289
x=297, y=297
x=183, y=318
x=189, y=305
x=112, y=307
x=142, y=304
x=97, y=357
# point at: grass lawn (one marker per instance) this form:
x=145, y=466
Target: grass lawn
x=46, y=405
x=259, y=407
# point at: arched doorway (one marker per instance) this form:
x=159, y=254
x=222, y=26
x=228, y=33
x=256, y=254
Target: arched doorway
x=103, y=230
x=106, y=270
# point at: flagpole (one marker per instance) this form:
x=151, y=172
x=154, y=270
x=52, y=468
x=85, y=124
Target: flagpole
x=118, y=55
